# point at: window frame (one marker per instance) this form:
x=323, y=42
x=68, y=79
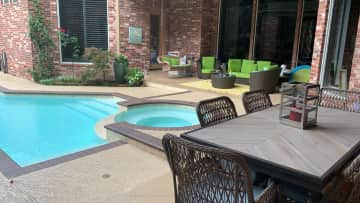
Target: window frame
x=59, y=41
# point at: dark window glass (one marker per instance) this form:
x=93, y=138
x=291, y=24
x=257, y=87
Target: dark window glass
x=86, y=20
x=275, y=30
x=235, y=29
x=308, y=32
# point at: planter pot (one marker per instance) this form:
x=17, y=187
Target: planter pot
x=120, y=71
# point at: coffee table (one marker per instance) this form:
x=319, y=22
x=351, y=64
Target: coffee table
x=222, y=81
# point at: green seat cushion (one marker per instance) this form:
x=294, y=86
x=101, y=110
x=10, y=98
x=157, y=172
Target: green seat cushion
x=234, y=65
x=301, y=76
x=263, y=65
x=174, y=61
x=241, y=75
x=208, y=62
x=248, y=66
x=166, y=59
x=181, y=66
x=207, y=71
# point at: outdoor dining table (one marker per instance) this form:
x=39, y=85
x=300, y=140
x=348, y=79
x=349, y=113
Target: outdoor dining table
x=306, y=159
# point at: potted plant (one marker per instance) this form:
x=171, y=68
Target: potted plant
x=121, y=63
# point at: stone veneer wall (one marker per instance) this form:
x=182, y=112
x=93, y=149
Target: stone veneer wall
x=14, y=38
x=355, y=69
x=209, y=27
x=319, y=40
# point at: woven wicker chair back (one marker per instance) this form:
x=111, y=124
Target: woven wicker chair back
x=214, y=111
x=206, y=174
x=340, y=99
x=256, y=101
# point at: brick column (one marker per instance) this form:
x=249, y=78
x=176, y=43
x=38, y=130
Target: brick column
x=355, y=69
x=319, y=40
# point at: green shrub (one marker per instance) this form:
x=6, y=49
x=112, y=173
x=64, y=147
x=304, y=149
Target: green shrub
x=50, y=81
x=135, y=77
x=121, y=58
x=100, y=60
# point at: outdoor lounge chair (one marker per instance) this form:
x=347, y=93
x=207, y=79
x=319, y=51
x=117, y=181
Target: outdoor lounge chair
x=206, y=67
x=340, y=99
x=206, y=174
x=214, y=111
x=256, y=101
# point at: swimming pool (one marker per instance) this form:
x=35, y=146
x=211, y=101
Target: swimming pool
x=35, y=128
x=160, y=116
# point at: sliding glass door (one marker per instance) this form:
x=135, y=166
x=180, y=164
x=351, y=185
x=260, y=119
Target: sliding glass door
x=275, y=30
x=281, y=31
x=235, y=29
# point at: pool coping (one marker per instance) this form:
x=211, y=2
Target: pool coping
x=10, y=169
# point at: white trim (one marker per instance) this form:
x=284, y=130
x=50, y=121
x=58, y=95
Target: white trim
x=219, y=23
x=326, y=44
x=59, y=41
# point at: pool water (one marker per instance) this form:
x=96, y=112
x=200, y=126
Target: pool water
x=160, y=116
x=36, y=128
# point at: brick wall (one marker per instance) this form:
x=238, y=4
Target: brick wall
x=209, y=27
x=319, y=40
x=136, y=13
x=14, y=38
x=355, y=69
x=184, y=26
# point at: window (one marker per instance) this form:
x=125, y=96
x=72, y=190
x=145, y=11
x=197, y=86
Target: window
x=5, y=2
x=87, y=21
x=15, y=1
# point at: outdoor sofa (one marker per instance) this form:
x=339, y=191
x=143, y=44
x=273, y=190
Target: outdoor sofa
x=260, y=75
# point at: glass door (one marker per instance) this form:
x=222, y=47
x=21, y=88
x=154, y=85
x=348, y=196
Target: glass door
x=275, y=30
x=332, y=70
x=235, y=29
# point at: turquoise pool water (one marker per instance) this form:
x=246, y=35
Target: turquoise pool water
x=35, y=128
x=160, y=116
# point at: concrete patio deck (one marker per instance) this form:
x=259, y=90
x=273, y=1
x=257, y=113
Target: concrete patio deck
x=122, y=174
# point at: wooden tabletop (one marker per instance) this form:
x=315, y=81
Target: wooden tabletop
x=292, y=153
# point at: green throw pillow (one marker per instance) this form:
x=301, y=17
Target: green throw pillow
x=234, y=65
x=208, y=62
x=263, y=65
x=248, y=66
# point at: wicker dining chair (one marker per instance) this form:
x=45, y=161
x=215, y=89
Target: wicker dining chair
x=256, y=101
x=340, y=99
x=216, y=110
x=346, y=187
x=204, y=174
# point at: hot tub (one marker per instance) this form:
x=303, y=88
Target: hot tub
x=159, y=116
